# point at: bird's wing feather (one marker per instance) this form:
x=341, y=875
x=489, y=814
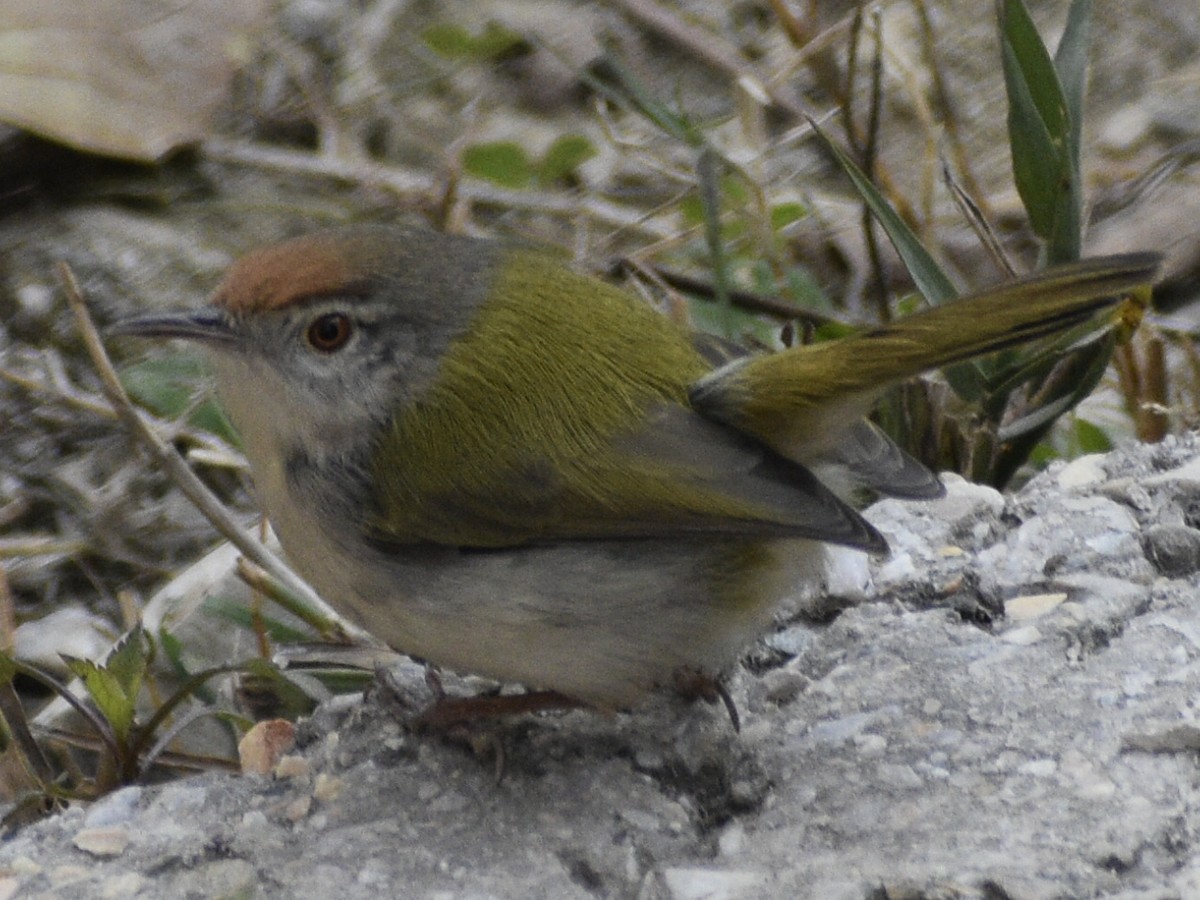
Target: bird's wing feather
x=677, y=474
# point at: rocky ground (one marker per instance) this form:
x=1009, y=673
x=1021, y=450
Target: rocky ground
x=1007, y=709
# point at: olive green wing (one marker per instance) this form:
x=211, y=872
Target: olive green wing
x=677, y=474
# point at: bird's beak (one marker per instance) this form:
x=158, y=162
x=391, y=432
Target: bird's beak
x=207, y=327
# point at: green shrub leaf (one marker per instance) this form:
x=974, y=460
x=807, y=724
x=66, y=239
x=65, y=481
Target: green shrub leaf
x=565, y=155
x=501, y=162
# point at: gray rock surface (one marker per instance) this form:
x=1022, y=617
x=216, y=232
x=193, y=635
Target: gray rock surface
x=1009, y=710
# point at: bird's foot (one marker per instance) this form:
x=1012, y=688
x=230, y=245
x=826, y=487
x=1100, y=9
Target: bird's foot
x=692, y=684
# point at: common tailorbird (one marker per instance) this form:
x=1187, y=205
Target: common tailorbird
x=506, y=468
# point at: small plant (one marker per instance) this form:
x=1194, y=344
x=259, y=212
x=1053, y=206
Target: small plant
x=125, y=740
x=1001, y=408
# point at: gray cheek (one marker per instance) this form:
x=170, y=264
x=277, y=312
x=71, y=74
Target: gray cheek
x=407, y=366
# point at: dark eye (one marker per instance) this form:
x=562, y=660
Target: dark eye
x=329, y=332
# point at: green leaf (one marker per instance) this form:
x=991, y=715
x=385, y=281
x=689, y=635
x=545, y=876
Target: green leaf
x=238, y=614
x=187, y=690
x=1071, y=63
x=784, y=214
x=565, y=155
x=455, y=42
x=502, y=162
x=1043, y=454
x=926, y=273
x=107, y=694
x=908, y=304
x=762, y=276
x=129, y=660
x=691, y=210
x=1091, y=438
x=607, y=76
x=833, y=330
x=804, y=289
x=288, y=698
x=173, y=650
x=448, y=40
x=168, y=387
x=711, y=318
x=1045, y=168
x=1082, y=372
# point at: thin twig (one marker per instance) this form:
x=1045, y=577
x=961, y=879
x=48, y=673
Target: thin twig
x=40, y=545
x=34, y=386
x=258, y=579
x=977, y=219
x=711, y=49
x=746, y=300
x=949, y=113
x=8, y=614
x=411, y=182
x=185, y=762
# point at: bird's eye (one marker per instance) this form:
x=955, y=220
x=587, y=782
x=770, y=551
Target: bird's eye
x=329, y=332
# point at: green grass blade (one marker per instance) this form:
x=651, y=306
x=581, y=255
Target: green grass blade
x=928, y=276
x=1071, y=63
x=1045, y=168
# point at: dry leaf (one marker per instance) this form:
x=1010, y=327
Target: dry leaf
x=127, y=78
x=264, y=745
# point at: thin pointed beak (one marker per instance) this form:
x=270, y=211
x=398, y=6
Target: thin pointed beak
x=207, y=327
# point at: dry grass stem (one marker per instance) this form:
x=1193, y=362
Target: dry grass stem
x=40, y=545
x=410, y=183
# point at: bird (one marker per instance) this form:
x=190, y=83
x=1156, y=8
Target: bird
x=504, y=467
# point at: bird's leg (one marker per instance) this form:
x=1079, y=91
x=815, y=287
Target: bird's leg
x=446, y=711
x=692, y=684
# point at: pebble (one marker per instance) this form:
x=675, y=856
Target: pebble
x=293, y=766
x=1174, y=549
x=298, y=808
x=900, y=776
x=68, y=874
x=732, y=839
x=1026, y=636
x=35, y=300
x=1031, y=606
x=782, y=686
x=792, y=640
x=1082, y=472
x=327, y=788
x=1172, y=738
x=106, y=841
x=118, y=887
